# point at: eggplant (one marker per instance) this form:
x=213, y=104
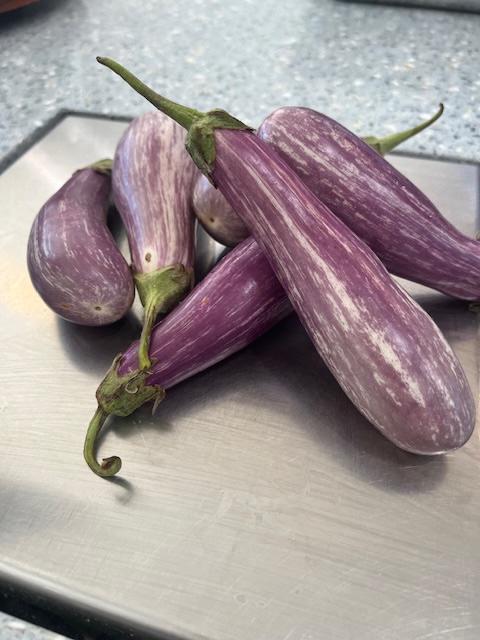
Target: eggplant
x=387, y=354
x=73, y=261
x=215, y=214
x=378, y=203
x=152, y=182
x=222, y=223
x=239, y=300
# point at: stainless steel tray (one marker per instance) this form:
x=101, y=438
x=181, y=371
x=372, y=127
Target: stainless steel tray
x=257, y=503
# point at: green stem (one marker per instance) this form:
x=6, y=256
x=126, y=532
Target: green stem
x=159, y=291
x=386, y=144
x=200, y=142
x=183, y=115
x=151, y=312
x=102, y=166
x=109, y=466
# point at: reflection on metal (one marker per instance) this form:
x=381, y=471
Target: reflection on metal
x=257, y=503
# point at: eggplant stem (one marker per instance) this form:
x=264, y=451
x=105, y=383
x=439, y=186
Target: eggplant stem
x=109, y=466
x=388, y=143
x=200, y=142
x=183, y=115
x=151, y=312
x=159, y=291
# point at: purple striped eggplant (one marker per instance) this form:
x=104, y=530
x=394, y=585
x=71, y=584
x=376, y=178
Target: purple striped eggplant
x=397, y=221
x=73, y=261
x=386, y=353
x=239, y=300
x=223, y=224
x=152, y=181
x=216, y=215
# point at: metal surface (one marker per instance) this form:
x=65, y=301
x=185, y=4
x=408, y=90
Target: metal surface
x=257, y=503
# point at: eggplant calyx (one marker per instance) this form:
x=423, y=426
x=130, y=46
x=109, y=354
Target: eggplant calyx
x=388, y=143
x=103, y=166
x=201, y=138
x=159, y=291
x=120, y=396
x=200, y=126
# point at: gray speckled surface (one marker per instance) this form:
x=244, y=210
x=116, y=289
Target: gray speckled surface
x=453, y=5
x=13, y=629
x=375, y=68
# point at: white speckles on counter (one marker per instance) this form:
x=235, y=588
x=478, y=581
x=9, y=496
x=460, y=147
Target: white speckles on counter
x=375, y=68
x=13, y=629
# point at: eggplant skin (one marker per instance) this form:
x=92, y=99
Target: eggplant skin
x=384, y=350
x=152, y=183
x=378, y=203
x=73, y=261
x=216, y=215
x=238, y=301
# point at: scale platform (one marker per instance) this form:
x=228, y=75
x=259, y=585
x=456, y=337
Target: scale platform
x=257, y=502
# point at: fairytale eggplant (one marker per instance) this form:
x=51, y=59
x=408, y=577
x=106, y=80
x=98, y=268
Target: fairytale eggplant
x=152, y=182
x=73, y=261
x=378, y=203
x=221, y=221
x=385, y=351
x=216, y=215
x=239, y=300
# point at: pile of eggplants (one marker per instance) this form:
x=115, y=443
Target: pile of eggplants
x=317, y=219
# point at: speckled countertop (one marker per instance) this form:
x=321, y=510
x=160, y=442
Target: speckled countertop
x=13, y=629
x=375, y=68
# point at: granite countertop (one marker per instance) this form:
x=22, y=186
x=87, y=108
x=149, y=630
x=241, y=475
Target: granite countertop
x=375, y=68
x=13, y=629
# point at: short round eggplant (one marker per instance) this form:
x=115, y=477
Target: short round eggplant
x=216, y=215
x=378, y=203
x=152, y=182
x=223, y=224
x=387, y=354
x=239, y=300
x=73, y=261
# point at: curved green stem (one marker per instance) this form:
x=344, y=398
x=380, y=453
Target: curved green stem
x=386, y=144
x=183, y=115
x=109, y=466
x=159, y=291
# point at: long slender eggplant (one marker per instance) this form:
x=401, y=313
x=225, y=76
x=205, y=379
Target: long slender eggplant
x=73, y=260
x=239, y=300
x=152, y=182
x=378, y=203
x=224, y=225
x=385, y=351
x=216, y=215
